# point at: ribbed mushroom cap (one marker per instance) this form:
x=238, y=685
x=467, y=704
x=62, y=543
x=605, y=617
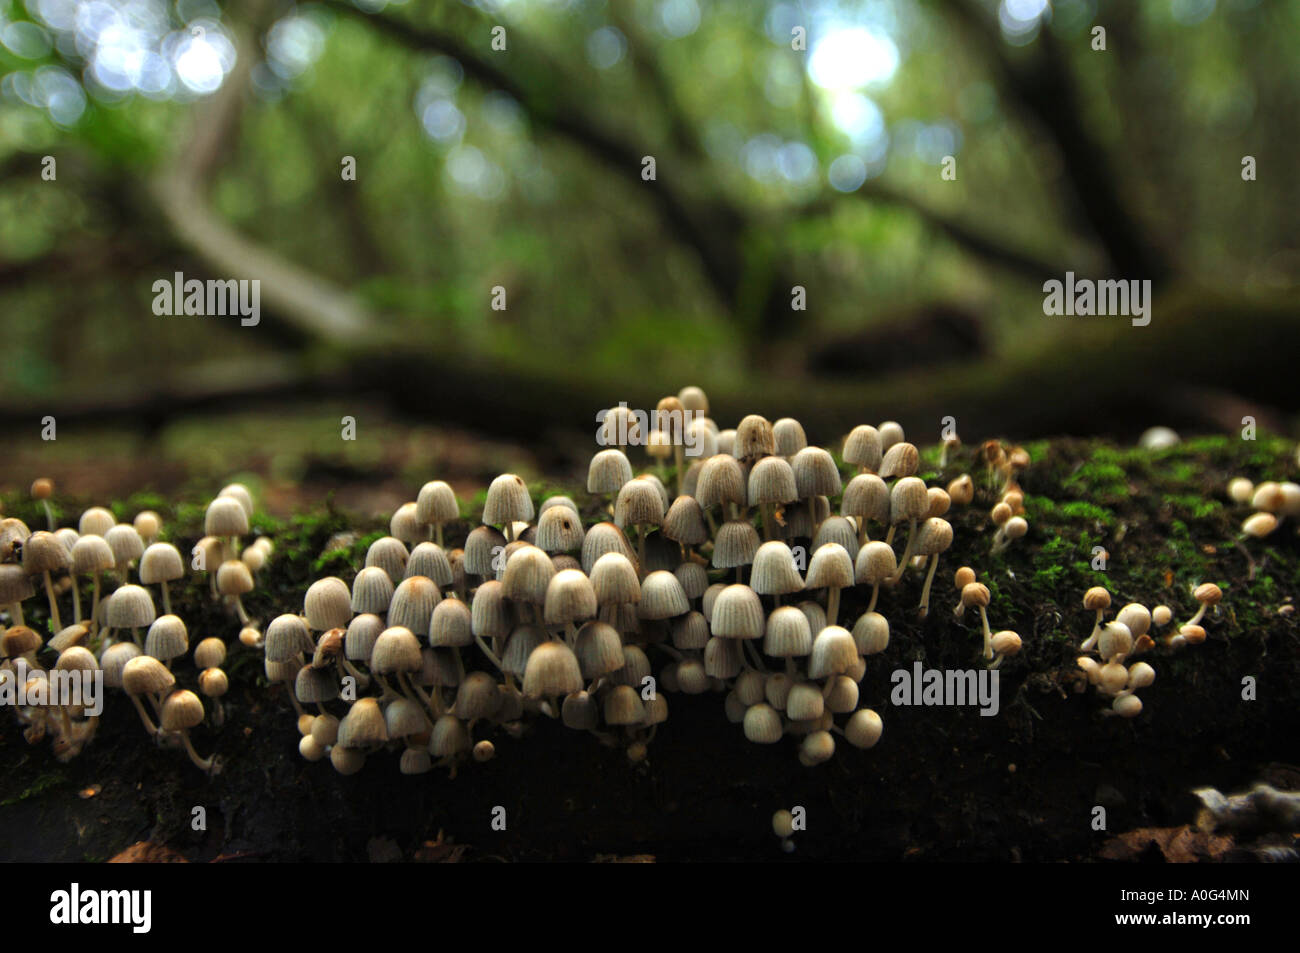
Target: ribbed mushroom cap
x=623, y=706
x=710, y=597
x=815, y=473
x=402, y=717
x=507, y=501
x=69, y=636
x=96, y=521
x=145, y=675
x=736, y=545
x=605, y=538
x=864, y=728
x=722, y=658
x=286, y=637
x=908, y=500
x=363, y=725
x=1136, y=617
x=405, y=525
x=520, y=646
x=209, y=653
x=225, y=516
x=804, y=702
x=44, y=553
x=608, y=471
x=690, y=631
x=871, y=633
x=315, y=685
x=833, y=653
x=114, y=660
x=449, y=737
x=238, y=492
x=528, y=573
x=787, y=634
x=329, y=647
x=372, y=591
x=763, y=724
x=559, y=530
x=481, y=546
x=389, y=554
x=569, y=598
x=932, y=536
x=662, y=597
x=831, y=567
x=490, y=615
x=841, y=531
x=843, y=695
x=891, y=432
x=233, y=578
x=771, y=480
x=876, y=562
x=754, y=438
x=975, y=595
x=901, y=460
x=161, y=562
x=862, y=447
x=438, y=667
x=701, y=439
x=599, y=649
x=328, y=604
x=684, y=522
x=182, y=709
x=614, y=581
x=639, y=503
x=167, y=638
x=1096, y=599
x=92, y=554
x=76, y=658
x=814, y=613
x=436, y=503
x=774, y=571
x=866, y=497
x=789, y=436
x=694, y=579
x=359, y=642
x=129, y=607
x=414, y=602
x=477, y=697
x=552, y=669
x=15, y=584
x=557, y=500
x=430, y=560
x=737, y=613
x=396, y=650
x=721, y=481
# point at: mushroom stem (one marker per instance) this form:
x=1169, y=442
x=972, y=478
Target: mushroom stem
x=409, y=689
x=16, y=613
x=768, y=530
x=753, y=653
x=94, y=605
x=206, y=765
x=1194, y=620
x=144, y=715
x=1091, y=640
x=907, y=553
x=239, y=610
x=875, y=594
x=679, y=458
x=49, y=514
x=167, y=599
x=812, y=515
x=76, y=599
x=889, y=537
x=988, y=634
x=54, y=603
x=135, y=636
x=929, y=581
x=832, y=605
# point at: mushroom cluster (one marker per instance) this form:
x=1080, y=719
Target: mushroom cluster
x=1272, y=502
x=1008, y=514
x=116, y=635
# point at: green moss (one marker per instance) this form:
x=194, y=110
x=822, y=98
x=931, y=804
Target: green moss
x=38, y=787
x=1098, y=479
x=1078, y=510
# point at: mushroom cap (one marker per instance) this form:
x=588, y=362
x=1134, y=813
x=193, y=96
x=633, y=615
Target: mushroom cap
x=147, y=523
x=559, y=530
x=113, y=661
x=693, y=399
x=1140, y=675
x=167, y=638
x=693, y=577
x=556, y=500
x=976, y=594
x=662, y=596
x=804, y=702
x=490, y=611
x=362, y=726
x=690, y=631
x=449, y=737
x=19, y=640
x=788, y=633
x=900, y=460
x=328, y=604
x=1096, y=599
x=436, y=503
x=507, y=501
x=396, y=650
x=523, y=640
x=359, y=641
x=226, y=516
x=431, y=561
x=599, y=649
x=639, y=502
x=771, y=480
x=961, y=490
x=933, y=536
x=1006, y=643
x=866, y=497
x=145, y=675
x=402, y=718
x=481, y=547
x=841, y=531
x=286, y=637
x=737, y=613
x=876, y=562
x=69, y=636
x=789, y=436
x=754, y=438
x=372, y=591
x=76, y=658
x=240, y=492
x=315, y=685
x=129, y=607
x=830, y=568
x=909, y=500
x=605, y=538
x=477, y=696
x=96, y=521
x=815, y=473
x=736, y=545
x=613, y=578
x=1136, y=617
x=15, y=584
x=210, y=652
x=552, y=669
x=42, y=552
x=389, y=554
x=623, y=706
x=414, y=601
x=405, y=524
x=608, y=471
x=774, y=571
x=160, y=562
x=1208, y=593
x=233, y=578
x=862, y=447
x=684, y=522
x=721, y=481
x=527, y=575
x=833, y=652
x=182, y=709
x=864, y=728
x=871, y=633
x=762, y=724
x=569, y=598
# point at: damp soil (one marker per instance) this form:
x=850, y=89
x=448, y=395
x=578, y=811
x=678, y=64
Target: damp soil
x=943, y=784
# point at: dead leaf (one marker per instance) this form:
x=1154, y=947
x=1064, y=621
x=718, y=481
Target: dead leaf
x=147, y=852
x=1177, y=845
